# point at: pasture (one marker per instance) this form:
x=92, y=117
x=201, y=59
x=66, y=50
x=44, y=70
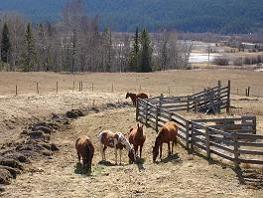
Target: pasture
x=183, y=175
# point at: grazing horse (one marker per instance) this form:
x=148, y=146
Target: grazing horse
x=137, y=138
x=134, y=96
x=85, y=151
x=167, y=134
x=116, y=141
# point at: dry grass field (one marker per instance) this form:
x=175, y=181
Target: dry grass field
x=56, y=176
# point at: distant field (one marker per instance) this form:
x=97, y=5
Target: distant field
x=178, y=82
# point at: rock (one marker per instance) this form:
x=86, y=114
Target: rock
x=47, y=153
x=17, y=156
x=74, y=113
x=2, y=188
x=45, y=129
x=11, y=163
x=5, y=176
x=54, y=147
x=13, y=171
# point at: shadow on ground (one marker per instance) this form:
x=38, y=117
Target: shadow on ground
x=79, y=169
x=250, y=177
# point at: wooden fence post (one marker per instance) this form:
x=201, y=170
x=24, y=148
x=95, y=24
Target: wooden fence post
x=92, y=87
x=73, y=86
x=37, y=87
x=137, y=109
x=236, y=150
x=248, y=91
x=57, y=87
x=112, y=87
x=188, y=103
x=16, y=90
x=161, y=100
x=192, y=136
x=156, y=118
x=219, y=97
x=146, y=113
x=254, y=121
x=228, y=97
x=187, y=135
x=207, y=143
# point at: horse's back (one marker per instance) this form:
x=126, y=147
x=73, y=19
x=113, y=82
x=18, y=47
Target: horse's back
x=84, y=144
x=168, y=132
x=142, y=95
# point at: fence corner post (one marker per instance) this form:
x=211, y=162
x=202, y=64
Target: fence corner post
x=156, y=118
x=228, y=97
x=187, y=135
x=236, y=150
x=219, y=97
x=137, y=110
x=207, y=143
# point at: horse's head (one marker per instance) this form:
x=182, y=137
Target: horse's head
x=140, y=128
x=127, y=95
x=155, y=153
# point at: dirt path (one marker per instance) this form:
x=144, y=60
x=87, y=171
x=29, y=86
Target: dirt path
x=186, y=176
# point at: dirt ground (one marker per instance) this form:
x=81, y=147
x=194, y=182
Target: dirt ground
x=57, y=176
x=181, y=176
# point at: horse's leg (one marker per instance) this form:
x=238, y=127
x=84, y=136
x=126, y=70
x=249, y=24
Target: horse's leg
x=78, y=156
x=169, y=149
x=115, y=151
x=173, y=144
x=120, y=155
x=161, y=150
x=103, y=152
x=141, y=151
x=136, y=149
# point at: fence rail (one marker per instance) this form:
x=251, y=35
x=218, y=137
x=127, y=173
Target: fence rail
x=234, y=139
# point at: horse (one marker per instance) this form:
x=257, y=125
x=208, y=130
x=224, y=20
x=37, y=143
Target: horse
x=85, y=151
x=167, y=134
x=117, y=141
x=137, y=138
x=134, y=96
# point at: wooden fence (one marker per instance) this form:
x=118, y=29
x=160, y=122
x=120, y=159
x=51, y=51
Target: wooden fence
x=234, y=139
x=211, y=100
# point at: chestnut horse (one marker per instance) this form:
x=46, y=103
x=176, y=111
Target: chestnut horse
x=116, y=141
x=137, y=138
x=167, y=134
x=85, y=151
x=134, y=96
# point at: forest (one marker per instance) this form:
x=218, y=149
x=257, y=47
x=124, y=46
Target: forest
x=217, y=16
x=75, y=43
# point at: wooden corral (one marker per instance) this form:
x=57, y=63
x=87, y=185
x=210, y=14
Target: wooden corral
x=234, y=139
x=211, y=100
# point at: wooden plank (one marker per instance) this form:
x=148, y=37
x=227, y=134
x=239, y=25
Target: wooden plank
x=223, y=155
x=251, y=152
x=200, y=140
x=249, y=136
x=223, y=147
x=251, y=161
x=255, y=144
x=199, y=145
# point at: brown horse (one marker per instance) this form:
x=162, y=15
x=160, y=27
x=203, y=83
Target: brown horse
x=167, y=134
x=85, y=151
x=137, y=138
x=118, y=142
x=134, y=96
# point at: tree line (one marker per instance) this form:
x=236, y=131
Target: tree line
x=75, y=44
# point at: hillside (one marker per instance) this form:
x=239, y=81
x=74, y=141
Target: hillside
x=224, y=16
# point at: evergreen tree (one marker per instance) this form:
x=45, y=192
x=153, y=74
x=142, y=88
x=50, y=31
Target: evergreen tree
x=134, y=55
x=145, y=52
x=29, y=54
x=5, y=44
